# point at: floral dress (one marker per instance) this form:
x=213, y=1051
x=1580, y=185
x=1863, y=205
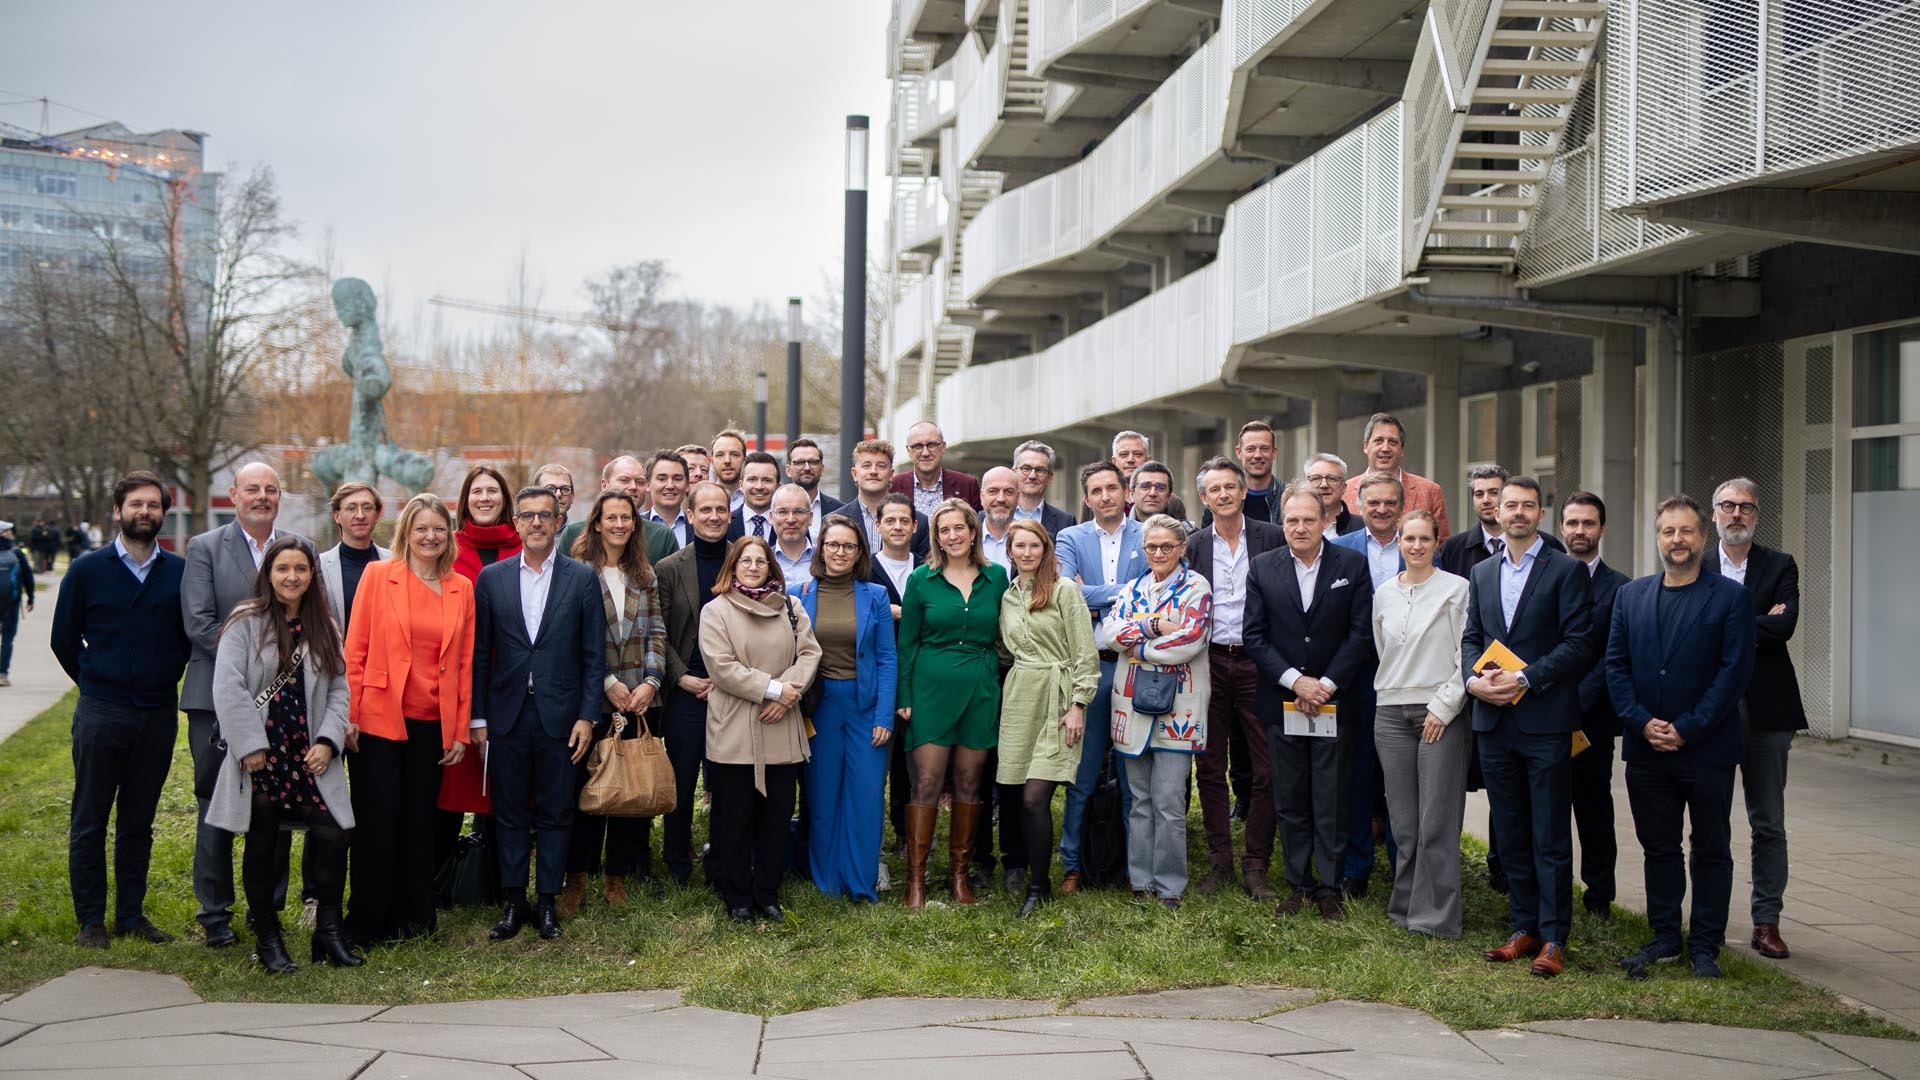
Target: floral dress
x=285, y=781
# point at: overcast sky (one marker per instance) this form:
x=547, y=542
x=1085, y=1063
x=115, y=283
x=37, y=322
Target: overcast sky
x=435, y=141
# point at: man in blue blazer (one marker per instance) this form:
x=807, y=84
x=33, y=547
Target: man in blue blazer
x=1679, y=654
x=539, y=662
x=1309, y=628
x=1583, y=521
x=1103, y=555
x=1539, y=603
x=1381, y=498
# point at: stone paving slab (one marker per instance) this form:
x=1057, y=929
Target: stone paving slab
x=91, y=991
x=921, y=1043
x=1782, y=1048
x=1548, y=1055
x=1380, y=1029
x=1209, y=1003
x=1360, y=1065
x=536, y=1012
x=880, y=1014
x=626, y=1070
x=345, y=1069
x=686, y=1037
x=466, y=1042
x=410, y=1067
x=13, y=1029
x=1095, y=1065
x=1231, y=1035
x=201, y=1019
x=1187, y=1063
x=174, y=1052
x=1899, y=1060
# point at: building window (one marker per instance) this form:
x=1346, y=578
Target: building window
x=1482, y=429
x=1886, y=377
x=54, y=184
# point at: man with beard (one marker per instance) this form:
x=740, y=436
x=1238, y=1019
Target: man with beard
x=1771, y=706
x=1151, y=489
x=728, y=455
x=1583, y=521
x=221, y=567
x=805, y=463
x=117, y=633
x=999, y=495
x=1679, y=653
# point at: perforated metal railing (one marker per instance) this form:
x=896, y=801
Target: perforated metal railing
x=924, y=103
x=919, y=211
x=1173, y=133
x=980, y=86
x=909, y=316
x=1060, y=25
x=1253, y=25
x=1737, y=91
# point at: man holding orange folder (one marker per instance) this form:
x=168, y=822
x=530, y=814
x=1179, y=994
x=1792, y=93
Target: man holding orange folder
x=1527, y=643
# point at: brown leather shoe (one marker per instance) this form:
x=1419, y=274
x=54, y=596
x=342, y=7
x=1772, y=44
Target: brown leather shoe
x=1070, y=884
x=1517, y=946
x=1767, y=941
x=1294, y=904
x=1551, y=961
x=960, y=829
x=92, y=936
x=144, y=929
x=613, y=888
x=1218, y=877
x=1257, y=886
x=920, y=820
x=570, y=898
x=1330, y=908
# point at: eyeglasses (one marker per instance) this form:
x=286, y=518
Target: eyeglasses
x=531, y=516
x=1031, y=470
x=841, y=547
x=560, y=491
x=1161, y=549
x=805, y=463
x=1150, y=488
x=1325, y=478
x=1731, y=507
x=923, y=447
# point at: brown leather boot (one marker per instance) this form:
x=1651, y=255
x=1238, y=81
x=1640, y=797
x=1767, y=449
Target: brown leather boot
x=568, y=903
x=966, y=817
x=614, y=888
x=920, y=821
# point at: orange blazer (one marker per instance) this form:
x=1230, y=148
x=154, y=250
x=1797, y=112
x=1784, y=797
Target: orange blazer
x=1422, y=494
x=380, y=653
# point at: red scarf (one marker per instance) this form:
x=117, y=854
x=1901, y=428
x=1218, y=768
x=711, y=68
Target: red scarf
x=502, y=541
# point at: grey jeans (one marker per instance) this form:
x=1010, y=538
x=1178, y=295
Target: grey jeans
x=1426, y=798
x=1763, y=779
x=1157, y=821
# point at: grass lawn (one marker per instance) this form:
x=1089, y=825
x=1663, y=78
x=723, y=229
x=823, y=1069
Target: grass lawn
x=830, y=952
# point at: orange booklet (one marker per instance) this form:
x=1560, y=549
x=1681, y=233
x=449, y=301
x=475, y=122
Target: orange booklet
x=1499, y=656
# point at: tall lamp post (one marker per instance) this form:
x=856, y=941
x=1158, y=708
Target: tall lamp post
x=793, y=370
x=760, y=410
x=853, y=306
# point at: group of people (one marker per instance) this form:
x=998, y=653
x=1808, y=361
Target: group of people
x=1321, y=658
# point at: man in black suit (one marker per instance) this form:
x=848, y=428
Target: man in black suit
x=1772, y=707
x=1679, y=654
x=1537, y=602
x=539, y=659
x=1308, y=627
x=1034, y=462
x=685, y=580
x=759, y=479
x=872, y=482
x=1583, y=521
x=805, y=463
x=895, y=558
x=1223, y=553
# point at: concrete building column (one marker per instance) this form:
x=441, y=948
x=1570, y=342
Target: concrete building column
x=1613, y=478
x=1325, y=425
x=1659, y=465
x=1443, y=429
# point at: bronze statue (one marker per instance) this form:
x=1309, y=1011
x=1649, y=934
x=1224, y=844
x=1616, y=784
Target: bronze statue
x=369, y=453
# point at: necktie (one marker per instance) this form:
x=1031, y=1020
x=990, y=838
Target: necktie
x=1497, y=545
x=760, y=526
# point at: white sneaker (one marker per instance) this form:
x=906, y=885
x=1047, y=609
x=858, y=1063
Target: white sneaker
x=883, y=883
x=4, y=681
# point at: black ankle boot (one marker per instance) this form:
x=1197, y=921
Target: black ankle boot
x=330, y=942
x=1038, y=893
x=271, y=947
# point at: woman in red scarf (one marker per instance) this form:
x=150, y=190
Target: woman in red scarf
x=483, y=535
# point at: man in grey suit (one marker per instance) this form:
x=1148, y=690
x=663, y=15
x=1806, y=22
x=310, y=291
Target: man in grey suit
x=356, y=510
x=221, y=566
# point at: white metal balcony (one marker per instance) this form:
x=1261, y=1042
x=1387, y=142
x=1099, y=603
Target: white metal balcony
x=919, y=215
x=1776, y=93
x=923, y=104
x=1107, y=41
x=910, y=317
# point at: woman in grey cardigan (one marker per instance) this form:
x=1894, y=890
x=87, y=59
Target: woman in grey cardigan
x=280, y=695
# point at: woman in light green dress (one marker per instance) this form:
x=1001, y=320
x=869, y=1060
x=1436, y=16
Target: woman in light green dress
x=1046, y=630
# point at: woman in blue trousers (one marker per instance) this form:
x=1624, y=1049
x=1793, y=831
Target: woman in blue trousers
x=847, y=773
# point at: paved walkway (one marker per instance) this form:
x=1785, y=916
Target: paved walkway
x=1852, y=913
x=120, y=1025
x=37, y=678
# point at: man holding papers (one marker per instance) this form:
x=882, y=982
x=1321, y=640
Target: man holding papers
x=1532, y=610
x=1309, y=630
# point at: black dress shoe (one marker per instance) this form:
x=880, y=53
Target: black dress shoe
x=144, y=929
x=740, y=914
x=1599, y=909
x=548, y=922
x=93, y=936
x=1639, y=964
x=511, y=921
x=221, y=936
x=772, y=913
x=1353, y=888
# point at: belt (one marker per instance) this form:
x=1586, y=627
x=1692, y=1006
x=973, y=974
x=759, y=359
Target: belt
x=1230, y=650
x=1109, y=656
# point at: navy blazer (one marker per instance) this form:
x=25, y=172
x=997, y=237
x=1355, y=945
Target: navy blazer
x=1552, y=633
x=1333, y=639
x=919, y=545
x=1053, y=519
x=1693, y=679
x=1597, y=717
x=1461, y=552
x=737, y=525
x=1773, y=697
x=567, y=664
x=876, y=668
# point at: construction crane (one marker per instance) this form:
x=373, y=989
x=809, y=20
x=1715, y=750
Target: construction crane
x=569, y=318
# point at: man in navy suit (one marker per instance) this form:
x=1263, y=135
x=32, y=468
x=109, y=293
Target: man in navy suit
x=1539, y=603
x=1308, y=626
x=1381, y=499
x=1679, y=653
x=1583, y=521
x=1034, y=462
x=539, y=659
x=872, y=482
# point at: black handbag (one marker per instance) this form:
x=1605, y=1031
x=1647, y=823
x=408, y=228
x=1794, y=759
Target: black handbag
x=470, y=877
x=1154, y=690
x=810, y=697
x=1103, y=832
x=206, y=768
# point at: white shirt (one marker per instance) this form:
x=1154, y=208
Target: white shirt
x=738, y=499
x=1734, y=570
x=534, y=587
x=1110, y=551
x=616, y=588
x=1229, y=590
x=1513, y=578
x=259, y=550
x=994, y=550
x=1593, y=566
x=897, y=570
x=139, y=569
x=1383, y=560
x=1307, y=576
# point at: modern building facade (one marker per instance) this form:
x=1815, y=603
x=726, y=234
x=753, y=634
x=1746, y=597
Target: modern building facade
x=1634, y=246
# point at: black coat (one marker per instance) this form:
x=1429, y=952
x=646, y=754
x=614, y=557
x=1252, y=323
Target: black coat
x=1552, y=633
x=1597, y=718
x=1773, y=697
x=1461, y=552
x=1332, y=640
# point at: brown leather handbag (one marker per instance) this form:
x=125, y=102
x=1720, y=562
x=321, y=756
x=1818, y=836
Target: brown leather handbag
x=628, y=777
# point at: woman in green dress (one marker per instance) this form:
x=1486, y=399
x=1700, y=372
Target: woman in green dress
x=949, y=691
x=1046, y=630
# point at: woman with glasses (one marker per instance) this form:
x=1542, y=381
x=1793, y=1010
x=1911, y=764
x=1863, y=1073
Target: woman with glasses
x=847, y=764
x=949, y=691
x=1160, y=623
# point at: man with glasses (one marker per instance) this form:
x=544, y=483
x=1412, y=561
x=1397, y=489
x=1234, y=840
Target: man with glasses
x=623, y=473
x=805, y=463
x=558, y=479
x=929, y=483
x=1034, y=464
x=1327, y=477
x=1385, y=447
x=1771, y=708
x=1151, y=488
x=793, y=544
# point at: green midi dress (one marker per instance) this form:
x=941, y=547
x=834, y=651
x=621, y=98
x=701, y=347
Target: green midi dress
x=949, y=661
x=1055, y=663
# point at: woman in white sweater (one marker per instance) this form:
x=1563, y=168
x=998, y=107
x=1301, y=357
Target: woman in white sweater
x=1419, y=616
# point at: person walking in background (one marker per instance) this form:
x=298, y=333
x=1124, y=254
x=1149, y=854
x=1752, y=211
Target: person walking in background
x=280, y=691
x=409, y=653
x=117, y=633
x=1419, y=616
x=759, y=646
x=853, y=725
x=16, y=595
x=1159, y=622
x=636, y=647
x=949, y=694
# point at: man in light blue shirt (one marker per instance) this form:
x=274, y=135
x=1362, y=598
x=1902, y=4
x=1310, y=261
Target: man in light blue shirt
x=999, y=500
x=1381, y=498
x=792, y=520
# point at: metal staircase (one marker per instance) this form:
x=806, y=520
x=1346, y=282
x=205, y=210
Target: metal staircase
x=1518, y=92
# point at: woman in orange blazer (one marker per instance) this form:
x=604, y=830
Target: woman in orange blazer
x=410, y=671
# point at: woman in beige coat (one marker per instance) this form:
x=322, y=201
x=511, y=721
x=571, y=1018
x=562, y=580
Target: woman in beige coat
x=760, y=652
